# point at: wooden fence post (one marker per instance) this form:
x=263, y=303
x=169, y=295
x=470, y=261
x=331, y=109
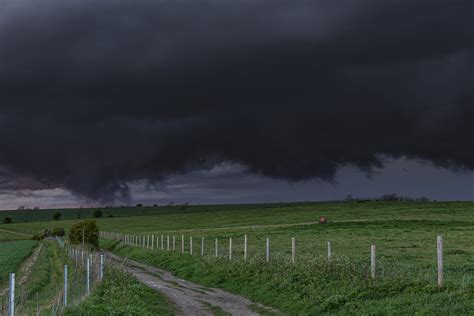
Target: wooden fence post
x=162, y=243
x=230, y=248
x=202, y=246
x=440, y=260
x=373, y=261
x=267, y=252
x=245, y=248
x=174, y=243
x=152, y=242
x=182, y=243
x=168, y=242
x=293, y=249
x=217, y=248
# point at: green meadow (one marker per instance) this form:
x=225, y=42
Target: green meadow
x=403, y=232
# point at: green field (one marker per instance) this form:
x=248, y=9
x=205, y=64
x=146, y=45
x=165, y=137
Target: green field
x=405, y=235
x=12, y=254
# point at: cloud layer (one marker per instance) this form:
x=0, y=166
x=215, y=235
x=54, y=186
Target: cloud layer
x=95, y=95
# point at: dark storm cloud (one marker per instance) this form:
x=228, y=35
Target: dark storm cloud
x=98, y=94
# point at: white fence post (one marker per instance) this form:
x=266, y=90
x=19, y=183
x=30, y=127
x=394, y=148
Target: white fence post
x=182, y=243
x=202, y=246
x=245, y=248
x=267, y=255
x=293, y=249
x=174, y=243
x=217, y=248
x=162, y=243
x=440, y=260
x=230, y=248
x=101, y=267
x=11, y=305
x=88, y=273
x=329, y=251
x=191, y=246
x=373, y=262
x=65, y=286
x=168, y=242
x=152, y=242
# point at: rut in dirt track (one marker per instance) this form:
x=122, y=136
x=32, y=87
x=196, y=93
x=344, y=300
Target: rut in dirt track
x=189, y=298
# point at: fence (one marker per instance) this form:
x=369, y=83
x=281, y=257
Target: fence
x=81, y=273
x=143, y=241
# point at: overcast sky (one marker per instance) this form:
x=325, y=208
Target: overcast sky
x=202, y=101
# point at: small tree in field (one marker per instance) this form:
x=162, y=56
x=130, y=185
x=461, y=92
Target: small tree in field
x=57, y=215
x=97, y=213
x=86, y=231
x=7, y=220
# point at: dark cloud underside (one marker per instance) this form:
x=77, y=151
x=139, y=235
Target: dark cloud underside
x=97, y=94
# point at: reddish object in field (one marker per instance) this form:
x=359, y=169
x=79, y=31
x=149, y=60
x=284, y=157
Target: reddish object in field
x=323, y=220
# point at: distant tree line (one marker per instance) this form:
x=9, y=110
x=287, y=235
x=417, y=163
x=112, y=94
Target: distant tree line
x=389, y=197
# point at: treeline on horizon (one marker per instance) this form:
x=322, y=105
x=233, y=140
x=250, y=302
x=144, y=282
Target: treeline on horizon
x=388, y=197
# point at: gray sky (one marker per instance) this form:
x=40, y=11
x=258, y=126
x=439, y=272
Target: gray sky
x=232, y=183
x=301, y=94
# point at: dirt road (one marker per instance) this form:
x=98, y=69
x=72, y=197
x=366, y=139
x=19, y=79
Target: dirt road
x=190, y=298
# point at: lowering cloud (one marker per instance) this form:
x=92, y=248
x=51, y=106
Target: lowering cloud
x=95, y=95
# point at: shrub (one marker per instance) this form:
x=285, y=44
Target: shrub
x=37, y=237
x=97, y=213
x=7, y=220
x=88, y=229
x=57, y=215
x=58, y=231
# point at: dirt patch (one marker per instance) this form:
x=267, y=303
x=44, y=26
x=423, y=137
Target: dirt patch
x=189, y=298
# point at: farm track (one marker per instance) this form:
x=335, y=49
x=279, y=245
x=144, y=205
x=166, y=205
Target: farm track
x=189, y=298
x=266, y=226
x=15, y=233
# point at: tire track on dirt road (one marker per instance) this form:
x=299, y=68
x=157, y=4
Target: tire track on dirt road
x=189, y=298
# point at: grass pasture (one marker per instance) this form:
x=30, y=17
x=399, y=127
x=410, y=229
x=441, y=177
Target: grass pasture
x=405, y=235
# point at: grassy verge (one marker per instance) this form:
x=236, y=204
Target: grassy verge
x=44, y=286
x=121, y=294
x=314, y=286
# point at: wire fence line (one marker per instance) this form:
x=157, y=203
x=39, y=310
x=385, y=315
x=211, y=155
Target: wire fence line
x=226, y=248
x=82, y=271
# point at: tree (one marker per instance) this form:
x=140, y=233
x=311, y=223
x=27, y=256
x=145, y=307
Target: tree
x=7, y=220
x=85, y=231
x=57, y=215
x=58, y=231
x=97, y=213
